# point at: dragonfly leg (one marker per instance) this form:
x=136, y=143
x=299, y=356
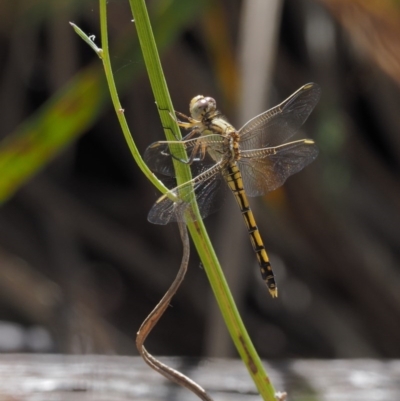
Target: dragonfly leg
x=191, y=121
x=167, y=128
x=192, y=156
x=177, y=158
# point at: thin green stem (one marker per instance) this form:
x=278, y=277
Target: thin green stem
x=104, y=55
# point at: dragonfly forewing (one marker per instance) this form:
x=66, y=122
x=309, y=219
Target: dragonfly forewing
x=280, y=123
x=159, y=156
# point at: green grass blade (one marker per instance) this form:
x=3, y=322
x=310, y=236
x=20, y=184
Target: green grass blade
x=40, y=138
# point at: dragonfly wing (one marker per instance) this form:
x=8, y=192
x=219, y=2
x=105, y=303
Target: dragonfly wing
x=165, y=211
x=264, y=170
x=158, y=155
x=280, y=123
x=203, y=187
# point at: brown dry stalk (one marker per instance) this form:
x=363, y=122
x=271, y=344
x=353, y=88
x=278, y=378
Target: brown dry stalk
x=154, y=317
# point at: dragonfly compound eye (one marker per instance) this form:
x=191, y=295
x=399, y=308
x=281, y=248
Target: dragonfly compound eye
x=200, y=106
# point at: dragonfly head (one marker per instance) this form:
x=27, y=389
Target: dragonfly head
x=200, y=106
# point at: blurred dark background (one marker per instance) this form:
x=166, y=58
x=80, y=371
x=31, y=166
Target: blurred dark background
x=80, y=266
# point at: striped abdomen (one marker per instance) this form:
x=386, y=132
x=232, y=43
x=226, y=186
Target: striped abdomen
x=235, y=182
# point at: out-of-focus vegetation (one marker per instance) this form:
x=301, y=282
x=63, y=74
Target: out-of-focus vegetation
x=80, y=265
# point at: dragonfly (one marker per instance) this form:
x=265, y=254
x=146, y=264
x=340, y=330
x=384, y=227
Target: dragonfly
x=249, y=162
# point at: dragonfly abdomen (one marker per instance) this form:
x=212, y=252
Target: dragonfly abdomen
x=233, y=178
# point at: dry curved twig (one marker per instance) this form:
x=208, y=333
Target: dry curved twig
x=154, y=317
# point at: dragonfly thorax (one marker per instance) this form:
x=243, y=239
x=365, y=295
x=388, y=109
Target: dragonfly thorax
x=234, y=147
x=202, y=107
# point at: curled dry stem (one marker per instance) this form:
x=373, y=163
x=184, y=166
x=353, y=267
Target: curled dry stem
x=154, y=317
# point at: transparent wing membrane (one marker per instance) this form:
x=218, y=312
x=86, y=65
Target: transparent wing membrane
x=280, y=123
x=264, y=170
x=158, y=155
x=206, y=188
